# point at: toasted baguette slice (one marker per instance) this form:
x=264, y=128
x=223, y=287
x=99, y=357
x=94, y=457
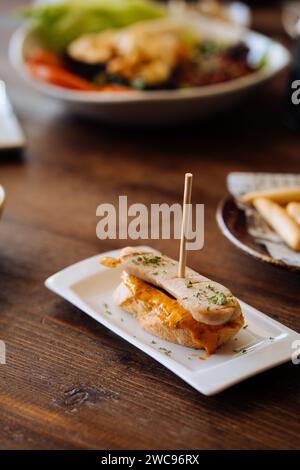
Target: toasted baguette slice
x=162, y=316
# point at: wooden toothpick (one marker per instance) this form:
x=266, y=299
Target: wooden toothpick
x=188, y=180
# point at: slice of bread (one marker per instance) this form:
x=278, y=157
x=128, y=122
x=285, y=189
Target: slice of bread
x=162, y=316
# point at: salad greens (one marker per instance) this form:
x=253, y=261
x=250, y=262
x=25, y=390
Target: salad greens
x=60, y=23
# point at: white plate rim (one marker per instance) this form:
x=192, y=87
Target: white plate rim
x=206, y=381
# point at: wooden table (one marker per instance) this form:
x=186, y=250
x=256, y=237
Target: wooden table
x=69, y=382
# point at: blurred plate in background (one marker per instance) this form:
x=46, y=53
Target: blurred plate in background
x=163, y=106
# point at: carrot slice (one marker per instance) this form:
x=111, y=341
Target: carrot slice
x=60, y=77
x=49, y=68
x=46, y=58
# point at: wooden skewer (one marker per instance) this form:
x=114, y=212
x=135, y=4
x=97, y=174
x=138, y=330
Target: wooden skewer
x=185, y=216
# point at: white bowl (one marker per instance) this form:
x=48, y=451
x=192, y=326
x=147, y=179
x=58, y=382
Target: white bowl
x=163, y=106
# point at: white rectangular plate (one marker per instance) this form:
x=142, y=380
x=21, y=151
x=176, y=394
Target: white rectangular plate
x=263, y=344
x=11, y=134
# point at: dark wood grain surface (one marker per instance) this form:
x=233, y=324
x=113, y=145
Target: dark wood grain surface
x=69, y=382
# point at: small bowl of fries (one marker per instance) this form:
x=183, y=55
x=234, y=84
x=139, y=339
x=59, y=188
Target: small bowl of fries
x=264, y=223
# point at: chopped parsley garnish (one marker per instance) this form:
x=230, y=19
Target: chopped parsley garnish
x=245, y=327
x=210, y=287
x=153, y=342
x=148, y=260
x=243, y=351
x=107, y=311
x=200, y=294
x=189, y=284
x=219, y=299
x=166, y=351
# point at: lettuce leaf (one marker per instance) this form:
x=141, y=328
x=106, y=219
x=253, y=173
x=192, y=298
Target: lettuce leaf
x=60, y=23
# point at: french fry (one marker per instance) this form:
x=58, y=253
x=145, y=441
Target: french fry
x=282, y=195
x=293, y=209
x=278, y=218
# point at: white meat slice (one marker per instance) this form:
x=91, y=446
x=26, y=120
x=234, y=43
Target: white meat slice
x=208, y=301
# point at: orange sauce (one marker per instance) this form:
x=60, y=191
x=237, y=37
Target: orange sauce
x=110, y=262
x=173, y=314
